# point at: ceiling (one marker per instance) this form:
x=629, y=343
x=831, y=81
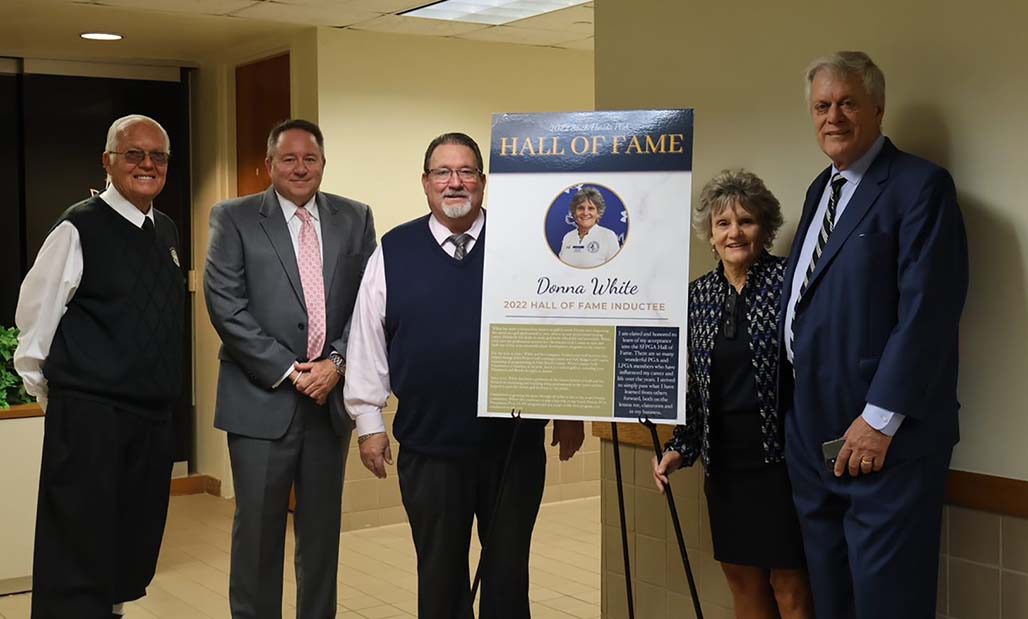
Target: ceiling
x=182, y=31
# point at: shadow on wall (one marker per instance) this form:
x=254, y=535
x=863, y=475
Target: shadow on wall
x=921, y=130
x=994, y=325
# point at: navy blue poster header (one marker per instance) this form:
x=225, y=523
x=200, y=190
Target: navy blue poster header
x=615, y=141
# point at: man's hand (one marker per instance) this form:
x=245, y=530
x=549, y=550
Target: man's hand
x=570, y=435
x=864, y=450
x=375, y=454
x=669, y=463
x=316, y=379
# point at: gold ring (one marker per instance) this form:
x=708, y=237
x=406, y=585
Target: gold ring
x=866, y=460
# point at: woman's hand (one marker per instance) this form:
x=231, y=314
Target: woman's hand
x=669, y=463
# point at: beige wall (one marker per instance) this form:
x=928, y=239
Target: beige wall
x=383, y=98
x=21, y=446
x=955, y=83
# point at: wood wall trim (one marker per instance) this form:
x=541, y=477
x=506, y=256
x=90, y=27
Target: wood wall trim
x=987, y=493
x=195, y=484
x=21, y=411
x=633, y=433
x=212, y=485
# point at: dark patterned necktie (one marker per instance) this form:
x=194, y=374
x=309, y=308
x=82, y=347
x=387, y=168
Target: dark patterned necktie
x=148, y=228
x=826, y=228
x=460, y=242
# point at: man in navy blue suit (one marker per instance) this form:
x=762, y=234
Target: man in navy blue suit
x=874, y=288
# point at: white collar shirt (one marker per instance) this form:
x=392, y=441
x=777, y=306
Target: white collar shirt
x=853, y=175
x=126, y=209
x=442, y=234
x=295, y=223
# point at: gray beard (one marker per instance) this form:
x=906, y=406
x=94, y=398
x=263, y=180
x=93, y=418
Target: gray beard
x=456, y=212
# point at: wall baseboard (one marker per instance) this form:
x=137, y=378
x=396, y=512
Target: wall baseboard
x=988, y=493
x=10, y=586
x=21, y=411
x=195, y=484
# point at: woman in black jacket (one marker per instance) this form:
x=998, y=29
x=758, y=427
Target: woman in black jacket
x=732, y=420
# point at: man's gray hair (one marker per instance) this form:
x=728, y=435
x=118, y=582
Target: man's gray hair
x=745, y=188
x=119, y=126
x=588, y=194
x=850, y=64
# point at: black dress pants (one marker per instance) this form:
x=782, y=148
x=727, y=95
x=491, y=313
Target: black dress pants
x=103, y=502
x=442, y=496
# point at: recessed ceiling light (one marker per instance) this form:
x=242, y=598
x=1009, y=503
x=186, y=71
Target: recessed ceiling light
x=101, y=36
x=492, y=12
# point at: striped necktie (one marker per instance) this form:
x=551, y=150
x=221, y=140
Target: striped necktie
x=460, y=242
x=826, y=229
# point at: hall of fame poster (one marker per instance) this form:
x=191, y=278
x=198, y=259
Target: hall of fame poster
x=586, y=266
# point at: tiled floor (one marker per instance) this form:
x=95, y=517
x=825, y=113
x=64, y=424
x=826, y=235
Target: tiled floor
x=377, y=572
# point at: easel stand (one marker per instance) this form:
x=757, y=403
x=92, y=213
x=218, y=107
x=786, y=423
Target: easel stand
x=624, y=526
x=516, y=416
x=674, y=519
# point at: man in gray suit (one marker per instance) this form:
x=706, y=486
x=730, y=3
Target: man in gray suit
x=283, y=268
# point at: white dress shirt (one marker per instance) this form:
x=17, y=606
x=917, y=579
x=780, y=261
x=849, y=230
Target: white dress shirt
x=888, y=422
x=597, y=247
x=295, y=223
x=48, y=287
x=367, y=369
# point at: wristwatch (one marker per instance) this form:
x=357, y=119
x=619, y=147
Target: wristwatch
x=339, y=361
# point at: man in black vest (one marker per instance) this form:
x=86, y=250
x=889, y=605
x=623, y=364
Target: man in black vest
x=100, y=315
x=415, y=333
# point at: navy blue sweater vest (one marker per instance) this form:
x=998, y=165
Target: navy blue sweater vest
x=432, y=322
x=120, y=339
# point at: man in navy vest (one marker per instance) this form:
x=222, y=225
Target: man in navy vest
x=415, y=333
x=874, y=288
x=100, y=315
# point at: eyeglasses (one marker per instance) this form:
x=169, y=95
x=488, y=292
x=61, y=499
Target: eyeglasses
x=442, y=175
x=136, y=156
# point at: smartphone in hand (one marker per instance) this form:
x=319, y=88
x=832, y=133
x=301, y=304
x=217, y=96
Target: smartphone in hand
x=830, y=451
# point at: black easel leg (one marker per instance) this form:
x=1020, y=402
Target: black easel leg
x=624, y=526
x=674, y=519
x=496, y=508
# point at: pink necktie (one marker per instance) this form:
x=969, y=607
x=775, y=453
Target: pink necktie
x=309, y=263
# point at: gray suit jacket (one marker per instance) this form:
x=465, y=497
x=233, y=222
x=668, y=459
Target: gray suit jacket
x=255, y=300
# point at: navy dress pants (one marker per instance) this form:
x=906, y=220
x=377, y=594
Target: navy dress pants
x=872, y=542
